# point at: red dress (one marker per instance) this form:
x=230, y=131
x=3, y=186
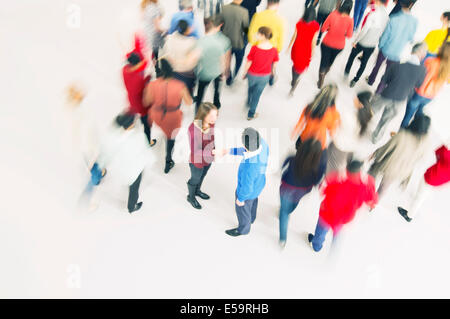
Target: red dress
x=301, y=50
x=135, y=83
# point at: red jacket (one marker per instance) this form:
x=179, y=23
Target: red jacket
x=135, y=84
x=344, y=196
x=439, y=173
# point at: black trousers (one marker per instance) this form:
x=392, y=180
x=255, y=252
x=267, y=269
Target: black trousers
x=295, y=77
x=188, y=79
x=328, y=55
x=147, y=128
x=367, y=52
x=203, y=85
x=133, y=195
x=198, y=175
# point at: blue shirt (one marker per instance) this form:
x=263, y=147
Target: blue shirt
x=399, y=32
x=252, y=172
x=189, y=18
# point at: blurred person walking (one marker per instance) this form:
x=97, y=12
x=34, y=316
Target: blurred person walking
x=260, y=66
x=339, y=26
x=319, y=119
x=325, y=8
x=399, y=31
x=395, y=161
x=236, y=22
x=201, y=134
x=437, y=38
x=210, y=7
x=398, y=82
x=215, y=51
x=358, y=12
x=180, y=51
x=437, y=175
x=352, y=141
x=186, y=13
x=165, y=95
x=271, y=19
x=251, y=6
x=367, y=39
x=125, y=153
x=343, y=197
x=437, y=75
x=301, y=173
x=303, y=45
x=154, y=32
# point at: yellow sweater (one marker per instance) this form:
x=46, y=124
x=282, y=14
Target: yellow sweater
x=435, y=39
x=271, y=19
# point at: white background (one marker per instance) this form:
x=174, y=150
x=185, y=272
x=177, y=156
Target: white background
x=168, y=249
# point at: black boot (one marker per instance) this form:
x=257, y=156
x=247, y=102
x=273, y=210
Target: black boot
x=191, y=197
x=321, y=79
x=233, y=232
x=202, y=195
x=137, y=207
x=404, y=213
x=169, y=150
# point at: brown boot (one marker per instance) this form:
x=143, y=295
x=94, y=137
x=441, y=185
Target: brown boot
x=321, y=78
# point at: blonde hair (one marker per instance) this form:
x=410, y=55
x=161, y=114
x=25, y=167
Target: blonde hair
x=444, y=63
x=323, y=100
x=145, y=3
x=203, y=111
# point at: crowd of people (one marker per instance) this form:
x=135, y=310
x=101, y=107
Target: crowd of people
x=165, y=66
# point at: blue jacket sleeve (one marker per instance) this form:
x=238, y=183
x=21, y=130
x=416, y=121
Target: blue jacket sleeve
x=385, y=36
x=245, y=184
x=239, y=151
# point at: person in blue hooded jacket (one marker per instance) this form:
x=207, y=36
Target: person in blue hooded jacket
x=251, y=179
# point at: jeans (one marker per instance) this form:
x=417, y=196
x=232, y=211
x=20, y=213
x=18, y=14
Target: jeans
x=246, y=215
x=367, y=52
x=328, y=55
x=147, y=128
x=256, y=85
x=289, y=199
x=376, y=68
x=133, y=194
x=415, y=106
x=198, y=175
x=321, y=231
x=390, y=110
x=358, y=13
x=239, y=56
x=203, y=85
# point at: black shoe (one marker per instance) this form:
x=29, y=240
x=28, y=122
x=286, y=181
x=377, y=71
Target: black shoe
x=229, y=81
x=272, y=80
x=404, y=214
x=194, y=202
x=137, y=207
x=233, y=232
x=202, y=195
x=352, y=83
x=153, y=142
x=169, y=165
x=310, y=237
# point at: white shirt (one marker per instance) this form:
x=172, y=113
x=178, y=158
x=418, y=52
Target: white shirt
x=376, y=22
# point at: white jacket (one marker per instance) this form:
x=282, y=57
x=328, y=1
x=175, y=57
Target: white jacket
x=125, y=154
x=376, y=22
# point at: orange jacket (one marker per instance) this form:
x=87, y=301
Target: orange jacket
x=431, y=85
x=317, y=128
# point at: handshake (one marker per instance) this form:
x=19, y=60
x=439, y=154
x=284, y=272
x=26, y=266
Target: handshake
x=220, y=152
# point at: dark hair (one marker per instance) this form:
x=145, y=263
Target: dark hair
x=383, y=1
x=354, y=166
x=323, y=100
x=407, y=3
x=208, y=24
x=310, y=14
x=273, y=1
x=418, y=46
x=266, y=32
x=125, y=120
x=446, y=15
x=183, y=26
x=419, y=125
x=134, y=58
x=307, y=159
x=166, y=69
x=346, y=7
x=251, y=139
x=365, y=113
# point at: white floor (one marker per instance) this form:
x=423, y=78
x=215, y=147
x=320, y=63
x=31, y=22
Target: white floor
x=168, y=249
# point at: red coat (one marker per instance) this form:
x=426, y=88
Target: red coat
x=439, y=173
x=135, y=84
x=344, y=196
